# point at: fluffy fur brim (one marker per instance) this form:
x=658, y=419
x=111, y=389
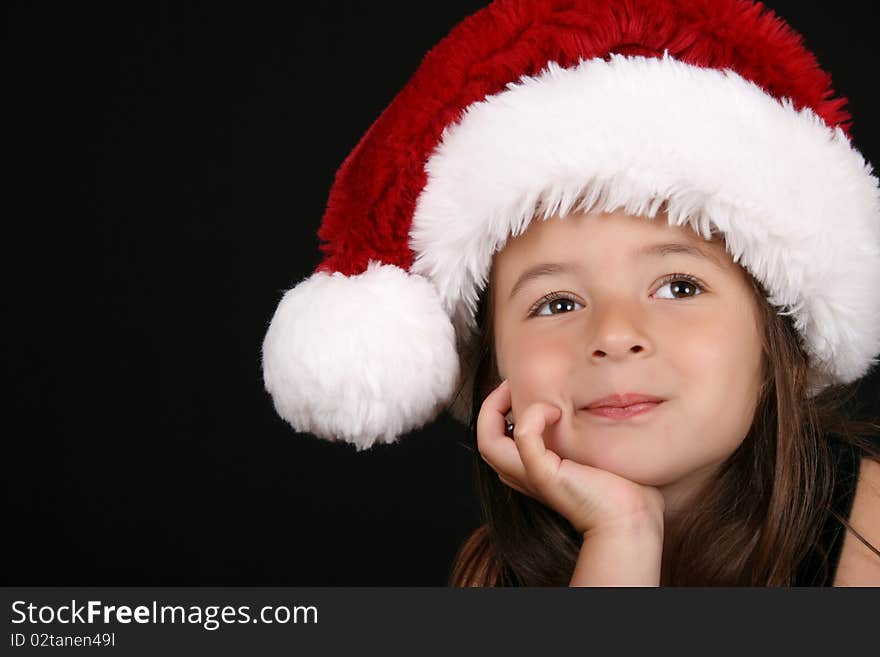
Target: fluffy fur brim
x=797, y=204
x=361, y=359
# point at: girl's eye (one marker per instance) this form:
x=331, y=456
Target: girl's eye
x=561, y=302
x=555, y=301
x=683, y=284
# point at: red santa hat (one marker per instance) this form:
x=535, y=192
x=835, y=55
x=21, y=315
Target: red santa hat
x=710, y=109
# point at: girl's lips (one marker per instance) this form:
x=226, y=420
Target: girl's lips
x=623, y=412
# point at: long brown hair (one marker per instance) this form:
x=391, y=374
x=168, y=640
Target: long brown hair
x=727, y=538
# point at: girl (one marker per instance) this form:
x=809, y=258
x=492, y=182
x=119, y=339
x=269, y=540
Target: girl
x=676, y=492
x=637, y=230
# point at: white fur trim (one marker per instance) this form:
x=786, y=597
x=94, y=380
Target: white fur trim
x=797, y=204
x=360, y=359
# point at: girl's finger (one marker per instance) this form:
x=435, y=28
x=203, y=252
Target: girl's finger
x=540, y=464
x=514, y=485
x=499, y=451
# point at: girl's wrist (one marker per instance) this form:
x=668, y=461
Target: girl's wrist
x=626, y=554
x=647, y=520
x=647, y=529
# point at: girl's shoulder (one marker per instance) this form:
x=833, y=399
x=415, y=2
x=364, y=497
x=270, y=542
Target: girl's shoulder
x=837, y=557
x=859, y=563
x=475, y=564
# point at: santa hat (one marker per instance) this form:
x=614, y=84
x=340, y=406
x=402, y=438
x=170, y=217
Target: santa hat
x=710, y=109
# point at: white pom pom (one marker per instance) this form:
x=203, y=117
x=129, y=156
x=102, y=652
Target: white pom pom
x=361, y=359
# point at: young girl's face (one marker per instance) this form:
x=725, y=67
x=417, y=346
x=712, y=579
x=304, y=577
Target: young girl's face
x=618, y=327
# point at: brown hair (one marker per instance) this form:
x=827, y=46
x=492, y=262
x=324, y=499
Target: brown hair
x=728, y=539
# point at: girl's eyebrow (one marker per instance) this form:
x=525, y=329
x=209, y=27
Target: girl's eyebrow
x=652, y=250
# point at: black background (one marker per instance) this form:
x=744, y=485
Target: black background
x=171, y=165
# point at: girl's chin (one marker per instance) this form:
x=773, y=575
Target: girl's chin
x=629, y=462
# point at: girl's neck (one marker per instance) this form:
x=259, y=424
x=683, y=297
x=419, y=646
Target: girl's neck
x=671, y=538
x=679, y=497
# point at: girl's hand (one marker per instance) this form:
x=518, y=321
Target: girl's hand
x=589, y=498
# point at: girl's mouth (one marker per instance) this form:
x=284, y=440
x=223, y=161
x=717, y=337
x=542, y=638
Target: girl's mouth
x=623, y=412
